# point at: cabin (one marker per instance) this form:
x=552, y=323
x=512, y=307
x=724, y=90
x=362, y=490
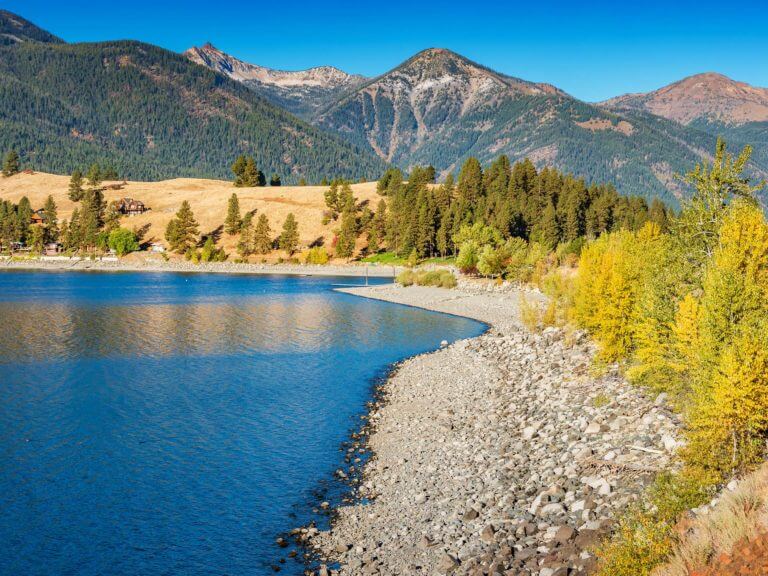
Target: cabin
x=37, y=217
x=53, y=249
x=131, y=207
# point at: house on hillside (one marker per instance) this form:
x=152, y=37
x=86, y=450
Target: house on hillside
x=37, y=217
x=131, y=207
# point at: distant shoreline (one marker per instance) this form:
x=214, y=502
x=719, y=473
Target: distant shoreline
x=85, y=265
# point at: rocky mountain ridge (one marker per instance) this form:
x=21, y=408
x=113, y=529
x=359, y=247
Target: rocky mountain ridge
x=301, y=92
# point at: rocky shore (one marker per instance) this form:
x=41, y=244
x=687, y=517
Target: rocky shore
x=501, y=454
x=160, y=265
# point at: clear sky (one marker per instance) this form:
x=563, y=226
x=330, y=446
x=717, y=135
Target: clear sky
x=592, y=50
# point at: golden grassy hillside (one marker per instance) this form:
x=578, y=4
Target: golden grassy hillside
x=208, y=199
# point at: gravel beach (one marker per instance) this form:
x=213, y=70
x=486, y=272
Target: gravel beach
x=159, y=265
x=501, y=454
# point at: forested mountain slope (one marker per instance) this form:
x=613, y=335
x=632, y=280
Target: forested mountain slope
x=152, y=114
x=15, y=29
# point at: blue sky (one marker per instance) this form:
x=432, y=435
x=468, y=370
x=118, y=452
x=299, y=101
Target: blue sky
x=592, y=50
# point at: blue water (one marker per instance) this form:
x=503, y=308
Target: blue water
x=178, y=424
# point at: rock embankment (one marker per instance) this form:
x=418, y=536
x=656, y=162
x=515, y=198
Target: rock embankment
x=501, y=454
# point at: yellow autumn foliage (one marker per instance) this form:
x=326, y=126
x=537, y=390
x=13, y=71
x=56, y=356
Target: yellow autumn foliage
x=687, y=313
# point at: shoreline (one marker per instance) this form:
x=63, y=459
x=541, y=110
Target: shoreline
x=87, y=265
x=474, y=466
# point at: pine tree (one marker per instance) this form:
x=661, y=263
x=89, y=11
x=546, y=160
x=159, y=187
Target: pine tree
x=238, y=169
x=51, y=220
x=548, y=230
x=245, y=245
x=275, y=180
x=64, y=234
x=332, y=200
x=345, y=242
x=94, y=176
x=11, y=164
x=425, y=224
x=262, y=236
x=112, y=217
x=468, y=190
x=251, y=175
x=76, y=186
x=36, y=238
x=91, y=218
x=182, y=231
x=73, y=238
x=232, y=222
x=378, y=226
x=289, y=239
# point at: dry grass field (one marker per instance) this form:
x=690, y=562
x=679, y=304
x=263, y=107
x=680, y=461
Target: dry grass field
x=208, y=199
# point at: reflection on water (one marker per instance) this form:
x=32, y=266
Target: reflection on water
x=175, y=424
x=282, y=324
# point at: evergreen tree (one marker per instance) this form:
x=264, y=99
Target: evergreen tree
x=94, y=176
x=275, y=180
x=377, y=230
x=182, y=231
x=389, y=181
x=76, y=186
x=232, y=222
x=468, y=190
x=262, y=236
x=245, y=246
x=345, y=241
x=74, y=236
x=11, y=164
x=91, y=218
x=548, y=230
x=658, y=214
x=425, y=224
x=238, y=169
x=51, y=220
x=112, y=217
x=23, y=219
x=289, y=239
x=64, y=234
x=36, y=238
x=332, y=200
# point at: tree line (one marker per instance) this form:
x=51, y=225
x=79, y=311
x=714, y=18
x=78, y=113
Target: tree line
x=482, y=211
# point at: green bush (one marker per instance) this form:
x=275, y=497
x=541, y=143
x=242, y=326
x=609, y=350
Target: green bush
x=438, y=278
x=122, y=241
x=317, y=255
x=406, y=278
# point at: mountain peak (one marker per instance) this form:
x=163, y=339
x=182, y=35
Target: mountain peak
x=301, y=92
x=708, y=96
x=15, y=29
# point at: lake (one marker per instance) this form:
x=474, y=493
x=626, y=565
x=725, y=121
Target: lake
x=162, y=423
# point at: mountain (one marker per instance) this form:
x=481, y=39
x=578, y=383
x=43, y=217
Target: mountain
x=15, y=29
x=440, y=108
x=704, y=97
x=301, y=92
x=712, y=103
x=153, y=114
